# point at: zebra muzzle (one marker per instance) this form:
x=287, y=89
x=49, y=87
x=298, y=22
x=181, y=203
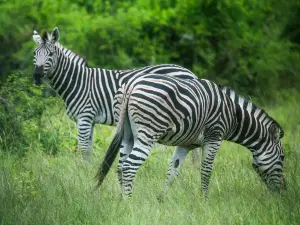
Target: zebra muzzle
x=37, y=75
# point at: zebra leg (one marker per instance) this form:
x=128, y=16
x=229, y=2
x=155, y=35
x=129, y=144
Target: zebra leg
x=85, y=138
x=90, y=146
x=176, y=161
x=208, y=156
x=196, y=157
x=139, y=154
x=125, y=149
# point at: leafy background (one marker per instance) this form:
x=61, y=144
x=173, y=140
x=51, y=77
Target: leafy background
x=252, y=45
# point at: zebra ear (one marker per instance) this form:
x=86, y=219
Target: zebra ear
x=55, y=35
x=276, y=132
x=281, y=133
x=36, y=37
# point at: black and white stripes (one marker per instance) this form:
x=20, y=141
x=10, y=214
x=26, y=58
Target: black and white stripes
x=261, y=134
x=189, y=114
x=88, y=93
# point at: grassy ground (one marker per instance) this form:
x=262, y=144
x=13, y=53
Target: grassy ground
x=44, y=189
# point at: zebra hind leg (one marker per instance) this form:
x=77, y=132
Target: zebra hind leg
x=125, y=149
x=141, y=150
x=196, y=157
x=208, y=156
x=177, y=159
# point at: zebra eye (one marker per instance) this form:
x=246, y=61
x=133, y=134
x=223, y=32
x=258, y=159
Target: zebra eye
x=51, y=54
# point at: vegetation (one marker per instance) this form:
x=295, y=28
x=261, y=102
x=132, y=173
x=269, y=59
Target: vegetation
x=58, y=189
x=252, y=46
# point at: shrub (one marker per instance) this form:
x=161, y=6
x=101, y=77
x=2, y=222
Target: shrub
x=21, y=110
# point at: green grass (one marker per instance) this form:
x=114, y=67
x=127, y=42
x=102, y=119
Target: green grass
x=44, y=189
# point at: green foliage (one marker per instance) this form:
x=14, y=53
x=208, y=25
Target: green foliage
x=252, y=46
x=21, y=110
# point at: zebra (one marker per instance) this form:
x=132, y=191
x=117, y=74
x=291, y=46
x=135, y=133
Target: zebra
x=189, y=114
x=88, y=93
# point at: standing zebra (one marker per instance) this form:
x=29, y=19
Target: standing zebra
x=190, y=114
x=88, y=93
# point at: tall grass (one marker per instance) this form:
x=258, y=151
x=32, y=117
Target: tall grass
x=58, y=189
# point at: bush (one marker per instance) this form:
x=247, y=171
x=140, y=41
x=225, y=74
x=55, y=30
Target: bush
x=21, y=110
x=251, y=46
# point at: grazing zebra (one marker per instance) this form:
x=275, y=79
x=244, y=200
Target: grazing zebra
x=190, y=114
x=88, y=93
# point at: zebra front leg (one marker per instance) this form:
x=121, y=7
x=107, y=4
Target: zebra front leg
x=208, y=156
x=85, y=129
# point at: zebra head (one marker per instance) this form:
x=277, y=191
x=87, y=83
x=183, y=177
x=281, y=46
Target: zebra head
x=268, y=163
x=45, y=54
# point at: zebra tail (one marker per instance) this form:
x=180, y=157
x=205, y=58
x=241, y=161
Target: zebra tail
x=114, y=146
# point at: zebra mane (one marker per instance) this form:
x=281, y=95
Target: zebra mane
x=45, y=36
x=247, y=104
x=71, y=54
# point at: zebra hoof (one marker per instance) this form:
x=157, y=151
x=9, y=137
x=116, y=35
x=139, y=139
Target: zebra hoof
x=126, y=196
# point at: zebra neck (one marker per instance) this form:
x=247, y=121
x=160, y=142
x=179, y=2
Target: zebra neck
x=70, y=78
x=69, y=53
x=105, y=86
x=252, y=125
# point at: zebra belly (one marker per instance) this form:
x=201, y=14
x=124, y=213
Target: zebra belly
x=191, y=141
x=102, y=119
